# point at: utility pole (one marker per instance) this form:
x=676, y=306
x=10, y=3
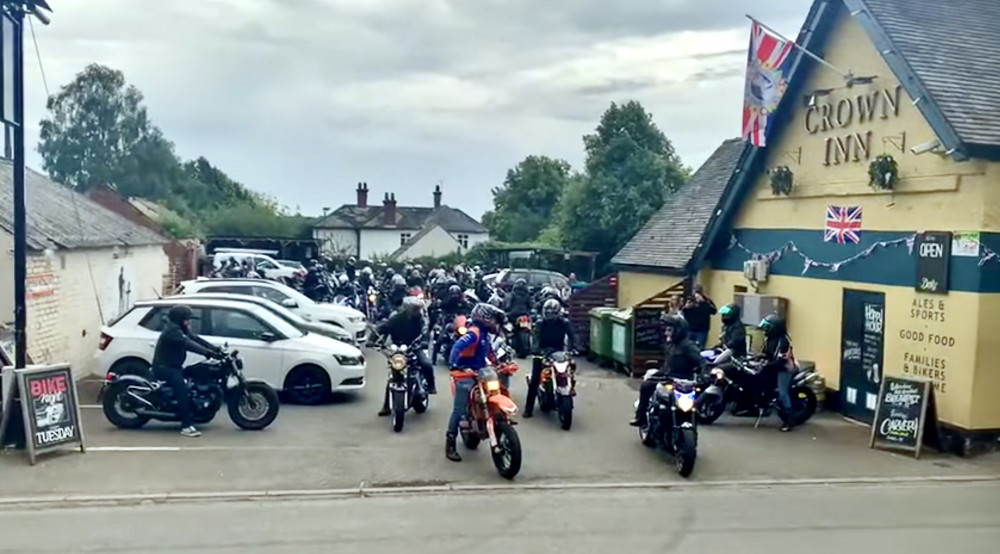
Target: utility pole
x=12, y=14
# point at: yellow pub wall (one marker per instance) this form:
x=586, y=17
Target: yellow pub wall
x=634, y=287
x=934, y=193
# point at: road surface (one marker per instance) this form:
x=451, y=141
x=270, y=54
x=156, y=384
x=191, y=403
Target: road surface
x=951, y=518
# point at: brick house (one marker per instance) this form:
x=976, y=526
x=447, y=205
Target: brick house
x=86, y=265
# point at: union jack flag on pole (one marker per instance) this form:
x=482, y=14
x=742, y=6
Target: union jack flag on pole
x=765, y=82
x=843, y=225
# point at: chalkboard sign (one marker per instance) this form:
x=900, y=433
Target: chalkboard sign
x=50, y=408
x=648, y=329
x=933, y=250
x=901, y=414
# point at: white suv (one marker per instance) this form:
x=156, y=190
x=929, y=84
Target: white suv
x=266, y=265
x=307, y=366
x=342, y=316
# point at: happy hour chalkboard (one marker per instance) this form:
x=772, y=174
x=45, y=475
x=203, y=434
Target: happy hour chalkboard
x=648, y=330
x=900, y=417
x=933, y=249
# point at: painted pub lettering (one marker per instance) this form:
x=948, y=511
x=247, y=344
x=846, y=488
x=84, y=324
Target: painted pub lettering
x=831, y=115
x=927, y=309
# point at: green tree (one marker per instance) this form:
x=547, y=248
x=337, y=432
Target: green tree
x=97, y=123
x=523, y=205
x=631, y=169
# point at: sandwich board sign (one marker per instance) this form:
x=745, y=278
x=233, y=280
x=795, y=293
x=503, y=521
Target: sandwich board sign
x=50, y=408
x=901, y=414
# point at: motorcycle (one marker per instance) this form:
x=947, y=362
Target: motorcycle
x=671, y=423
x=445, y=337
x=130, y=401
x=371, y=303
x=407, y=385
x=557, y=387
x=522, y=336
x=735, y=387
x=489, y=415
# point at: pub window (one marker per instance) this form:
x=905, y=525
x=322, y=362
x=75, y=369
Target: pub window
x=463, y=240
x=404, y=238
x=739, y=289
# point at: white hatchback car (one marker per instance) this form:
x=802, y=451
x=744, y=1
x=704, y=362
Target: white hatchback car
x=307, y=366
x=344, y=317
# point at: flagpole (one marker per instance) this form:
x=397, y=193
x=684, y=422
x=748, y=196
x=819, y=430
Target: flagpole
x=802, y=49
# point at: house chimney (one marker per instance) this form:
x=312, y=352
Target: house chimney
x=437, y=196
x=389, y=209
x=362, y=195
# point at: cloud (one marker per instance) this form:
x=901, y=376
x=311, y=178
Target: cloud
x=303, y=98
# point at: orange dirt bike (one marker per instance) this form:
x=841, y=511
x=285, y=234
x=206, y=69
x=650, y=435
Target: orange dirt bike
x=489, y=416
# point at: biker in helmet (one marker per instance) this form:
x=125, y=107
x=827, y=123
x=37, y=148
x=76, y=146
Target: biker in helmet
x=683, y=361
x=469, y=353
x=519, y=300
x=453, y=304
x=408, y=327
x=351, y=268
x=734, y=335
x=175, y=341
x=777, y=354
x=553, y=334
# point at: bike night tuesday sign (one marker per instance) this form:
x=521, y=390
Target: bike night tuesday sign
x=50, y=408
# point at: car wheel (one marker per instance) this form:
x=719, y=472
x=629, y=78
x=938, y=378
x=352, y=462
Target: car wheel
x=309, y=385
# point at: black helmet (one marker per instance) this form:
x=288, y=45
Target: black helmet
x=551, y=309
x=773, y=326
x=678, y=328
x=389, y=272
x=730, y=314
x=488, y=316
x=454, y=291
x=521, y=284
x=180, y=314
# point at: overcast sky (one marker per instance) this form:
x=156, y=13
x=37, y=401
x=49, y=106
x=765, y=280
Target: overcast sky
x=304, y=98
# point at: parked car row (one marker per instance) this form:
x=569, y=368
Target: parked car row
x=305, y=349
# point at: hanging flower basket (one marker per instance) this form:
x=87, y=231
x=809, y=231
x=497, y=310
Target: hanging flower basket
x=781, y=180
x=883, y=172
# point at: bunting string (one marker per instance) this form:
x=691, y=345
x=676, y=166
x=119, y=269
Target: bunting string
x=986, y=254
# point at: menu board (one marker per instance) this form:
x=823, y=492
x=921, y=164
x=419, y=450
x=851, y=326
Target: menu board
x=648, y=329
x=900, y=417
x=871, y=342
x=933, y=249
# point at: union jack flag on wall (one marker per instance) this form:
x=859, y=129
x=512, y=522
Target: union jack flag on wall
x=843, y=225
x=765, y=82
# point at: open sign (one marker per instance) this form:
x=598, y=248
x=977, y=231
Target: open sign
x=933, y=249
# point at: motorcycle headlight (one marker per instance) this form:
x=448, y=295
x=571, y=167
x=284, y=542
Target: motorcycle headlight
x=717, y=374
x=462, y=330
x=561, y=367
x=493, y=385
x=685, y=401
x=397, y=362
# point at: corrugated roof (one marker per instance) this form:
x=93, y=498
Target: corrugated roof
x=954, y=50
x=350, y=216
x=59, y=217
x=669, y=239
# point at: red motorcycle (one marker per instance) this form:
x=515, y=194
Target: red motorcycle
x=488, y=416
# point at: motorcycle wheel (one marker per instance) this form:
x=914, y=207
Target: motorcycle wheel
x=507, y=454
x=115, y=409
x=256, y=408
x=423, y=402
x=710, y=409
x=470, y=440
x=803, y=404
x=565, y=412
x=397, y=404
x=645, y=437
x=545, y=402
x=687, y=451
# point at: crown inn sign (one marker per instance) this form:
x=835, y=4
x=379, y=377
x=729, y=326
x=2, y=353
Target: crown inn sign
x=829, y=116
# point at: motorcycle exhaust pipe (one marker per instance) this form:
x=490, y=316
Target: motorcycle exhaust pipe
x=156, y=414
x=132, y=393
